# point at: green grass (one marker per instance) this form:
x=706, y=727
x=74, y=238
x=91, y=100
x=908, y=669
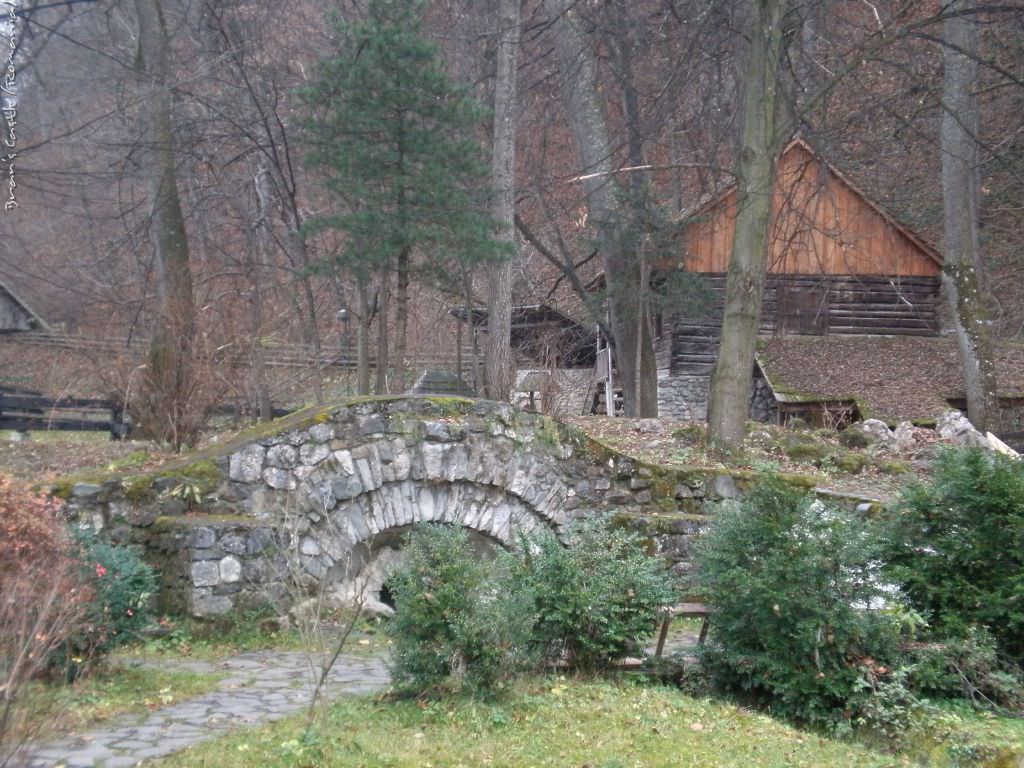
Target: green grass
x=116, y=689
x=544, y=723
x=211, y=641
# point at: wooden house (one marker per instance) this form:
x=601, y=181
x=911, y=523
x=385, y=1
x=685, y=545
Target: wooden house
x=837, y=264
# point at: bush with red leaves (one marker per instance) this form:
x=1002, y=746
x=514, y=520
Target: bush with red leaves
x=43, y=601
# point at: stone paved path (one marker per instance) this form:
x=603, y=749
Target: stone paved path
x=261, y=686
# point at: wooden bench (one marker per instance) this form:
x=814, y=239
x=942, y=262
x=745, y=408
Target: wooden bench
x=695, y=607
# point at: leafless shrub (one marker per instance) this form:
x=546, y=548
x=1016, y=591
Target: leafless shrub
x=42, y=603
x=324, y=602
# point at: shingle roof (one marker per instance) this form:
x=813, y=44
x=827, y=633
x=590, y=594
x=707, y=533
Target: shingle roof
x=893, y=378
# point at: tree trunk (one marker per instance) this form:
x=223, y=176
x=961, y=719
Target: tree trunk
x=500, y=370
x=263, y=246
x=621, y=270
x=760, y=144
x=363, y=340
x=380, y=385
x=962, y=276
x=169, y=403
x=401, y=316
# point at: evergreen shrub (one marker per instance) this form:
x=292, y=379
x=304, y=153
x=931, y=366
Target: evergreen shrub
x=598, y=598
x=122, y=587
x=795, y=587
x=460, y=626
x=957, y=547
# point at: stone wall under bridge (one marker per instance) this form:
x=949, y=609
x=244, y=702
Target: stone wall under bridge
x=337, y=486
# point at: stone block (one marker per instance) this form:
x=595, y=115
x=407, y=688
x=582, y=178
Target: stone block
x=258, y=540
x=86, y=490
x=230, y=569
x=279, y=479
x=346, y=487
x=321, y=433
x=283, y=456
x=246, y=465
x=233, y=544
x=202, y=537
x=372, y=424
x=205, y=603
x=205, y=573
x=207, y=553
x=311, y=454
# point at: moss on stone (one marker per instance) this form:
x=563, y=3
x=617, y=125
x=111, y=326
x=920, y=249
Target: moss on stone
x=893, y=467
x=850, y=461
x=139, y=488
x=797, y=480
x=659, y=523
x=166, y=523
x=805, y=450
x=451, y=405
x=204, y=473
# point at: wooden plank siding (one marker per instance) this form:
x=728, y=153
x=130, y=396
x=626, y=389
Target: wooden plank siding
x=822, y=225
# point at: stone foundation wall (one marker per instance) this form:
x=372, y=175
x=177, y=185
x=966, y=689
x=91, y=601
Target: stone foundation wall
x=685, y=398
x=682, y=398
x=763, y=406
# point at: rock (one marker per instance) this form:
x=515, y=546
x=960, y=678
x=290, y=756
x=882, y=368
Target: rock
x=649, y=426
x=230, y=569
x=725, y=487
x=313, y=453
x=202, y=538
x=1000, y=447
x=86, y=490
x=346, y=487
x=372, y=425
x=283, y=456
x=246, y=465
x=375, y=609
x=205, y=573
x=878, y=431
x=955, y=427
x=321, y=433
x=905, y=436
x=442, y=432
x=279, y=479
x=205, y=603
x=233, y=544
x=308, y=546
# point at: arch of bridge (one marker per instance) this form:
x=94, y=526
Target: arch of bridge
x=361, y=471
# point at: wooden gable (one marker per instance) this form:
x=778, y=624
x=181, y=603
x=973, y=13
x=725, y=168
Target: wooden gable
x=822, y=225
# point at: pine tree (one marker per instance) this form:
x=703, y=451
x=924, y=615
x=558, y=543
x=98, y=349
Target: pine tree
x=392, y=137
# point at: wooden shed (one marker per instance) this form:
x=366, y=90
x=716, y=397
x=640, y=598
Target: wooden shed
x=15, y=314
x=838, y=263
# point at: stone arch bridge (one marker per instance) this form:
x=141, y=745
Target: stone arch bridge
x=340, y=484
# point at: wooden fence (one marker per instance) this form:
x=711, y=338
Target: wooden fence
x=23, y=410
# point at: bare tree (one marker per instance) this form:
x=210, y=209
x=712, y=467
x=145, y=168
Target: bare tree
x=760, y=143
x=500, y=369
x=634, y=350
x=962, y=273
x=170, y=358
